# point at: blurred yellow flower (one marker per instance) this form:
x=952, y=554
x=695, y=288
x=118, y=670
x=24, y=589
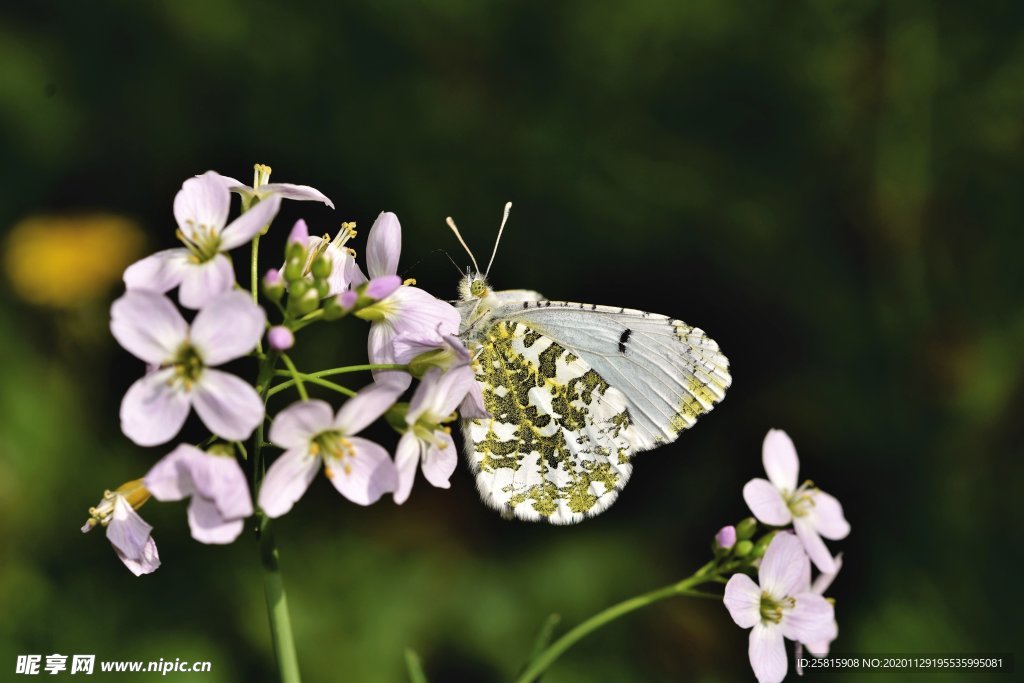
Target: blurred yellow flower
x=62, y=261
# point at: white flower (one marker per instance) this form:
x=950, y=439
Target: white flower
x=126, y=530
x=202, y=266
x=781, y=605
x=778, y=501
x=819, y=648
x=183, y=358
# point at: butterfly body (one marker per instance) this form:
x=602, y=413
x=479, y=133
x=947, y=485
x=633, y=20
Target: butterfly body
x=574, y=391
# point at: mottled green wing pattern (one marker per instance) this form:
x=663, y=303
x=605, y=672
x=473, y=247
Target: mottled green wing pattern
x=558, y=443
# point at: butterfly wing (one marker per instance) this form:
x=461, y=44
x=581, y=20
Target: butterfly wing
x=558, y=441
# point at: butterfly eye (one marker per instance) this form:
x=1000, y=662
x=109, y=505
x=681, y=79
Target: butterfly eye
x=478, y=288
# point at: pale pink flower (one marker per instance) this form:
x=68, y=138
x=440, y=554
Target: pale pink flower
x=130, y=535
x=448, y=353
x=183, y=358
x=216, y=484
x=202, y=267
x=428, y=442
x=780, y=605
x=778, y=501
x=820, y=648
x=313, y=435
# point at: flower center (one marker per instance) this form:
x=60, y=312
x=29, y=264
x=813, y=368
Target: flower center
x=133, y=492
x=772, y=609
x=188, y=365
x=334, y=448
x=202, y=240
x=801, y=501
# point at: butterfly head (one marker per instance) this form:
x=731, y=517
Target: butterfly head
x=473, y=286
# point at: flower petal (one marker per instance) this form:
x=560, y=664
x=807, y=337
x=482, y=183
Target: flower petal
x=171, y=477
x=380, y=350
x=407, y=460
x=147, y=563
x=202, y=282
x=130, y=536
x=827, y=517
x=421, y=315
x=472, y=407
x=148, y=325
x=820, y=648
x=809, y=620
x=366, y=476
x=250, y=223
x=366, y=406
x=158, y=272
x=814, y=546
x=384, y=245
x=766, y=502
x=823, y=581
x=202, y=204
x=154, y=409
x=297, y=424
x=767, y=653
x=296, y=192
x=220, y=479
x=228, y=327
x=208, y=525
x=286, y=481
x=440, y=460
x=743, y=600
x=780, y=461
x=228, y=406
x=382, y=287
x=784, y=568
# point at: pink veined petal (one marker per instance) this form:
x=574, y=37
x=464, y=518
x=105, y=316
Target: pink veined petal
x=366, y=406
x=220, y=479
x=203, y=282
x=827, y=517
x=439, y=461
x=148, y=325
x=297, y=424
x=766, y=502
x=366, y=476
x=228, y=327
x=286, y=481
x=743, y=600
x=407, y=460
x=154, y=409
x=249, y=224
x=158, y=272
x=147, y=563
x=822, y=583
x=784, y=568
x=353, y=275
x=380, y=350
x=780, y=461
x=302, y=193
x=384, y=245
x=342, y=268
x=202, y=204
x=227, y=405
x=208, y=525
x=814, y=546
x=127, y=531
x=382, y=287
x=767, y=653
x=809, y=620
x=171, y=477
x=419, y=314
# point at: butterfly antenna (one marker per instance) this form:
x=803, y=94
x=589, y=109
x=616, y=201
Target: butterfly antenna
x=457, y=266
x=451, y=224
x=504, y=219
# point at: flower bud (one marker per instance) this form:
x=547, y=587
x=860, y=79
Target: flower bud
x=382, y=287
x=333, y=309
x=321, y=266
x=293, y=268
x=746, y=528
x=742, y=548
x=348, y=299
x=299, y=234
x=762, y=544
x=307, y=303
x=726, y=537
x=280, y=338
x=299, y=288
x=273, y=285
x=322, y=287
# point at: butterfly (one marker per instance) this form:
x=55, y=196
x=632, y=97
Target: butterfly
x=574, y=391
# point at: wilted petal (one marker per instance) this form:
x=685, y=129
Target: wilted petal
x=154, y=409
x=130, y=535
x=202, y=203
x=208, y=525
x=286, y=481
x=366, y=476
x=766, y=502
x=250, y=223
x=439, y=460
x=228, y=406
x=780, y=461
x=148, y=325
x=743, y=600
x=407, y=460
x=159, y=272
x=297, y=424
x=784, y=568
x=384, y=245
x=147, y=563
x=366, y=406
x=205, y=281
x=767, y=653
x=228, y=327
x=826, y=516
x=814, y=546
x=809, y=620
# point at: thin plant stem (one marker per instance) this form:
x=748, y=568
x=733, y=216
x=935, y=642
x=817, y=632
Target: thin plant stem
x=312, y=380
x=296, y=375
x=277, y=607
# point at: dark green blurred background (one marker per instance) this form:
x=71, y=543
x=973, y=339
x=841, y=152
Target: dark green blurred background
x=831, y=189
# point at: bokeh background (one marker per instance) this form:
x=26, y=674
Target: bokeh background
x=831, y=188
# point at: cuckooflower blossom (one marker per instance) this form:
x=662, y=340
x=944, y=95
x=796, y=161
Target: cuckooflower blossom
x=819, y=648
x=262, y=189
x=313, y=435
x=780, y=605
x=126, y=530
x=778, y=501
x=448, y=353
x=183, y=358
x=202, y=266
x=428, y=443
x=215, y=482
x=408, y=311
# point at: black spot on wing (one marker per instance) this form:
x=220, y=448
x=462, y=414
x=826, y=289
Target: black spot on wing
x=623, y=339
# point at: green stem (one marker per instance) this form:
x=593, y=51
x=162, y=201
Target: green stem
x=317, y=377
x=277, y=607
x=296, y=375
x=546, y=658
